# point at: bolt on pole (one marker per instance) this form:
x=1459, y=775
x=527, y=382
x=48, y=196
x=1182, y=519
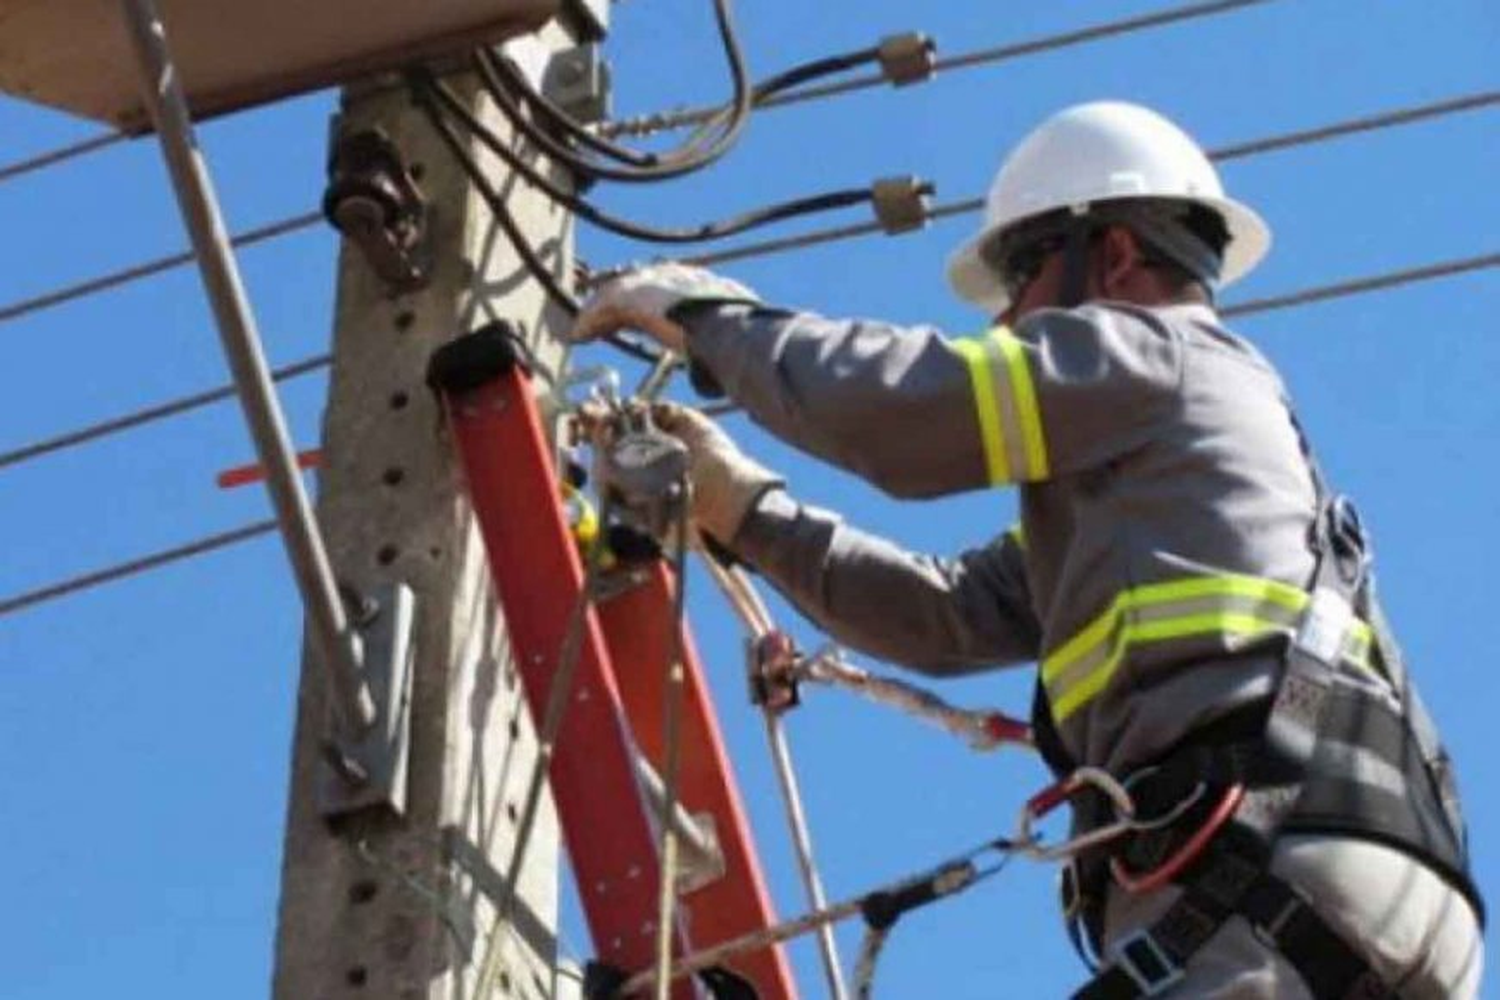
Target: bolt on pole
x=162, y=90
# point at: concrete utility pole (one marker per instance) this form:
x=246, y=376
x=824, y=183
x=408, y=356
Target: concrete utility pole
x=400, y=906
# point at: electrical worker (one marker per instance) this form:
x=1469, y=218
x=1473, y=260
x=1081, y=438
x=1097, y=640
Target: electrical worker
x=1197, y=600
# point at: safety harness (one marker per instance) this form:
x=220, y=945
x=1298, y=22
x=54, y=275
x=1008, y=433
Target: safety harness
x=1334, y=752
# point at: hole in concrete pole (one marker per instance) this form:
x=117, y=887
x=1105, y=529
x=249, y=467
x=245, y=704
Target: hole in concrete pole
x=387, y=555
x=404, y=319
x=357, y=976
x=363, y=891
x=399, y=400
x=417, y=170
x=393, y=476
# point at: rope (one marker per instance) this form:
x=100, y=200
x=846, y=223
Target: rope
x=674, y=690
x=663, y=121
x=881, y=907
x=752, y=610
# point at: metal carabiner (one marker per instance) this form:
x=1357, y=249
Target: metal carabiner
x=1049, y=798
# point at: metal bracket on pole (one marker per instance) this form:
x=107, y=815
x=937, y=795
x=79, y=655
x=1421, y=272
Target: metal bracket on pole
x=374, y=200
x=369, y=769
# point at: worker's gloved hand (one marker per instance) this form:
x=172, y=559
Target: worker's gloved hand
x=643, y=299
x=726, y=482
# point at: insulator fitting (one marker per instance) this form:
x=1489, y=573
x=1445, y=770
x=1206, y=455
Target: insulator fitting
x=907, y=59
x=373, y=200
x=901, y=203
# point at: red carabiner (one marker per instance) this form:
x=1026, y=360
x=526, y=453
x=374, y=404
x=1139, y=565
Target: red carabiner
x=1136, y=883
x=1062, y=791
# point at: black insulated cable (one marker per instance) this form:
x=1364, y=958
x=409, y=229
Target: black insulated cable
x=510, y=90
x=663, y=121
x=698, y=152
x=423, y=82
x=560, y=296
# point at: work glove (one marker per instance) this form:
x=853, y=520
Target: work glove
x=644, y=299
x=726, y=483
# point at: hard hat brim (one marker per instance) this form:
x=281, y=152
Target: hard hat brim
x=973, y=280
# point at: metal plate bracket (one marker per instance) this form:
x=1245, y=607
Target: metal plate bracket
x=370, y=771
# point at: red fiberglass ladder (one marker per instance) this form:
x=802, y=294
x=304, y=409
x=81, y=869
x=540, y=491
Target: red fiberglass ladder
x=615, y=701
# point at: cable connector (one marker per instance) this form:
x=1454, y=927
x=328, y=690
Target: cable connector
x=902, y=204
x=907, y=59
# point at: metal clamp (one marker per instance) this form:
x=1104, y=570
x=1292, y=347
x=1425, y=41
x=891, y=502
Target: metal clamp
x=1048, y=799
x=908, y=58
x=773, y=675
x=369, y=769
x=902, y=204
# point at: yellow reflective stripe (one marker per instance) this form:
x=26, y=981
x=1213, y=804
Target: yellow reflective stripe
x=1017, y=532
x=1170, y=592
x=976, y=358
x=1010, y=423
x=1087, y=687
x=1027, y=413
x=1176, y=609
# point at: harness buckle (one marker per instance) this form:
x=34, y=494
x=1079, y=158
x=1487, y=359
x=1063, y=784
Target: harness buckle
x=1325, y=626
x=1146, y=962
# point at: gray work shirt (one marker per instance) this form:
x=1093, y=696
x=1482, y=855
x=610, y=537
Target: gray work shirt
x=1162, y=554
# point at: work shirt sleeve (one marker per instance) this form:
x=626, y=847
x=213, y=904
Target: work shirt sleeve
x=938, y=616
x=919, y=414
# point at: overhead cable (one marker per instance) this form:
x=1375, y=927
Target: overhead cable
x=646, y=124
x=699, y=151
x=909, y=55
x=663, y=121
x=1319, y=293
x=1241, y=150
x=150, y=414
x=423, y=92
x=92, y=286
x=1305, y=137
x=428, y=87
x=59, y=155
x=134, y=567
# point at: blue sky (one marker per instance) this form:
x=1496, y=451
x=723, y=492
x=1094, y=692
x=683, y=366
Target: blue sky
x=146, y=724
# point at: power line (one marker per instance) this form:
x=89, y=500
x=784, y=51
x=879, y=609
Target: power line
x=134, y=567
x=1359, y=286
x=105, y=282
x=1255, y=147
x=646, y=124
x=1304, y=137
x=151, y=414
x=663, y=121
x=59, y=155
x=1289, y=300
x=1243, y=150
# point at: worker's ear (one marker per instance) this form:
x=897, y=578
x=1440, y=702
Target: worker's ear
x=1118, y=256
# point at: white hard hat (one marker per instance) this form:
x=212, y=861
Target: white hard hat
x=1103, y=151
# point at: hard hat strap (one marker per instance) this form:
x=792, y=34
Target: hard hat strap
x=1075, y=275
